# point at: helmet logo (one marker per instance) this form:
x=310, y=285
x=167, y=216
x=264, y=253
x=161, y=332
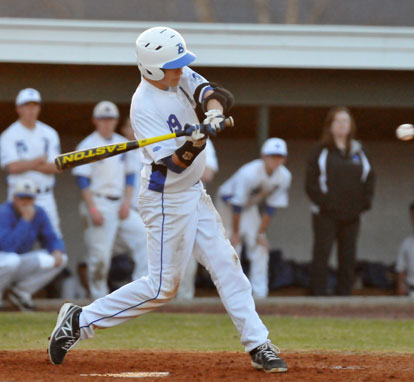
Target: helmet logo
x=180, y=48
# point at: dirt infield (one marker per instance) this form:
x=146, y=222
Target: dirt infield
x=34, y=366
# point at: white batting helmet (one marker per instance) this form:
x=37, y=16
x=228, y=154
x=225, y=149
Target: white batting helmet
x=161, y=48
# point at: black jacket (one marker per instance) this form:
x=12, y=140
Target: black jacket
x=338, y=184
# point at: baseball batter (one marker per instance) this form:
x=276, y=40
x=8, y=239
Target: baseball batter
x=178, y=214
x=107, y=187
x=27, y=151
x=262, y=180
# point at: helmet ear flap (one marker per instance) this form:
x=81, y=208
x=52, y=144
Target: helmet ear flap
x=152, y=73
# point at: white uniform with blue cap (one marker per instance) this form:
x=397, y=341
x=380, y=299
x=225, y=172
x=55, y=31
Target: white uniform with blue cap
x=107, y=185
x=19, y=143
x=245, y=190
x=179, y=215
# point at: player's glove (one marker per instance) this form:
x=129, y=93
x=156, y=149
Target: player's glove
x=194, y=133
x=214, y=121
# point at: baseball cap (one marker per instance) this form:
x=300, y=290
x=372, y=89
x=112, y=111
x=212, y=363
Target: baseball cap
x=105, y=109
x=28, y=95
x=275, y=146
x=24, y=188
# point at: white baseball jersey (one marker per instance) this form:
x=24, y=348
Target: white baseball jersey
x=211, y=157
x=252, y=179
x=107, y=176
x=405, y=261
x=157, y=112
x=19, y=143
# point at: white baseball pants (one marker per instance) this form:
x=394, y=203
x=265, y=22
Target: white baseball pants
x=257, y=254
x=100, y=242
x=29, y=272
x=186, y=291
x=178, y=223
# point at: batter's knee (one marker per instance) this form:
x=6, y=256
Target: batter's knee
x=168, y=288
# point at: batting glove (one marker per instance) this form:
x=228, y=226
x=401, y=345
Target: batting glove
x=194, y=134
x=214, y=121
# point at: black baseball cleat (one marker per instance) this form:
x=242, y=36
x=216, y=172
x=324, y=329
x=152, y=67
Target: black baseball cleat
x=265, y=358
x=66, y=333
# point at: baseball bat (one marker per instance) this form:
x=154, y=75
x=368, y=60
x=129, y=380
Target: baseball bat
x=80, y=157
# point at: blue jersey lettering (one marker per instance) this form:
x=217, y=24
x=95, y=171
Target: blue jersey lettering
x=174, y=123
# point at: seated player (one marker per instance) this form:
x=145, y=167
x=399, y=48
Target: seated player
x=405, y=263
x=24, y=270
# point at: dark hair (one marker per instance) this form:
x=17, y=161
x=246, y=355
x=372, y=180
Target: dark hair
x=327, y=139
x=412, y=206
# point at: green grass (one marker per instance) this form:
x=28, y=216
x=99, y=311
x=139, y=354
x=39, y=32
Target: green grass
x=212, y=332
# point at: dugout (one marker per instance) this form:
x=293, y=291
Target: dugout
x=283, y=90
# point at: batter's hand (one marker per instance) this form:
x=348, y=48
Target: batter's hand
x=124, y=210
x=195, y=135
x=214, y=121
x=96, y=216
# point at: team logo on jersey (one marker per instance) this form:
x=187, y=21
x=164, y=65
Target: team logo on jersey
x=197, y=77
x=21, y=147
x=156, y=148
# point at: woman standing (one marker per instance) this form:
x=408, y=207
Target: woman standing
x=340, y=184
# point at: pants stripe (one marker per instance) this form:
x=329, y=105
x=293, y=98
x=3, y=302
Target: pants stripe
x=159, y=288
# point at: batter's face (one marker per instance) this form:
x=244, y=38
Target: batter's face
x=28, y=112
x=272, y=162
x=341, y=125
x=105, y=126
x=171, y=77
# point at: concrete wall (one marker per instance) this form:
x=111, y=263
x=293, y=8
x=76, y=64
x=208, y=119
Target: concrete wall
x=382, y=228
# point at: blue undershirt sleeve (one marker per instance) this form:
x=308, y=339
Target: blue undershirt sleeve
x=11, y=238
x=237, y=209
x=130, y=179
x=269, y=210
x=83, y=182
x=172, y=166
x=47, y=235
